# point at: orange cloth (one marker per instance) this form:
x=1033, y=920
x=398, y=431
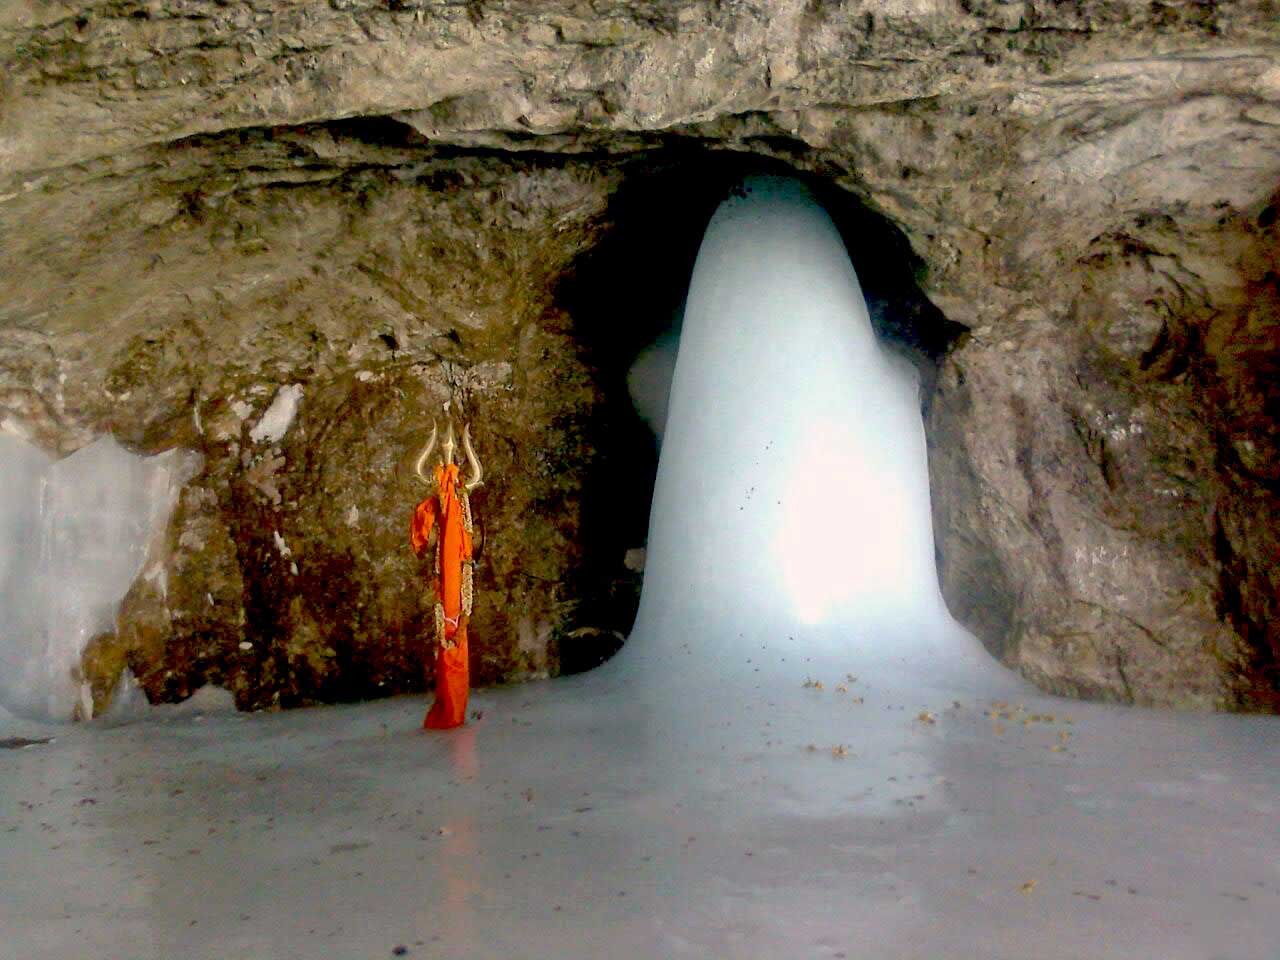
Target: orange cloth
x=452, y=685
x=452, y=551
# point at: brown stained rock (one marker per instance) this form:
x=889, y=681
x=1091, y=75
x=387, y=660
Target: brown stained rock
x=287, y=574
x=102, y=666
x=180, y=619
x=378, y=201
x=1088, y=527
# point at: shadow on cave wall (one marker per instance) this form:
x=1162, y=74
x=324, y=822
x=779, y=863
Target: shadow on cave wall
x=627, y=290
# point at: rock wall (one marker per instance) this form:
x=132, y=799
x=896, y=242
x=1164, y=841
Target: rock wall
x=303, y=335
x=379, y=202
x=1093, y=463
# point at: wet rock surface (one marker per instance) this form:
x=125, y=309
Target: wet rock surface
x=377, y=206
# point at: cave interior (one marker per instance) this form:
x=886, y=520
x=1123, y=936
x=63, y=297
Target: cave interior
x=251, y=252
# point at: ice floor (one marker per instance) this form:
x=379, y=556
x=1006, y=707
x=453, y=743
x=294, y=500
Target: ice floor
x=582, y=817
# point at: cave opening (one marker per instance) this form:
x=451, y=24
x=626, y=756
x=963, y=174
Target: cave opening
x=628, y=295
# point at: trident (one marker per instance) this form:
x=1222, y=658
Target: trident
x=447, y=448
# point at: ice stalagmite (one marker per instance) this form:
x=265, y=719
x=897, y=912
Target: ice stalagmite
x=792, y=500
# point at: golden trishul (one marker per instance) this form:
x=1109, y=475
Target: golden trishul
x=448, y=447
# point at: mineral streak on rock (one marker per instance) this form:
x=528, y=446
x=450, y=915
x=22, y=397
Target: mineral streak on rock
x=379, y=205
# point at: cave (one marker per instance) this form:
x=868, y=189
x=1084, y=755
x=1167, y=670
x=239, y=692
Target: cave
x=251, y=253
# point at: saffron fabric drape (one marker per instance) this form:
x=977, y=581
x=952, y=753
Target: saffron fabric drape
x=453, y=553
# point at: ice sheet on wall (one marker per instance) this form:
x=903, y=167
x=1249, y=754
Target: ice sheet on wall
x=75, y=534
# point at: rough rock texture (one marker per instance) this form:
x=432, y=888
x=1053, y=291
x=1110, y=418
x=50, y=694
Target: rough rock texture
x=203, y=203
x=303, y=338
x=1109, y=465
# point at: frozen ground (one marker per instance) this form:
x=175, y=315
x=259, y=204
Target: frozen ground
x=796, y=755
x=577, y=818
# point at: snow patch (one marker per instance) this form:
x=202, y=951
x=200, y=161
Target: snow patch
x=209, y=699
x=276, y=421
x=158, y=574
x=128, y=701
x=12, y=427
x=281, y=546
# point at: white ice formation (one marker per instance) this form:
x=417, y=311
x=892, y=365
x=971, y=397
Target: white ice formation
x=276, y=421
x=73, y=536
x=649, y=380
x=792, y=499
